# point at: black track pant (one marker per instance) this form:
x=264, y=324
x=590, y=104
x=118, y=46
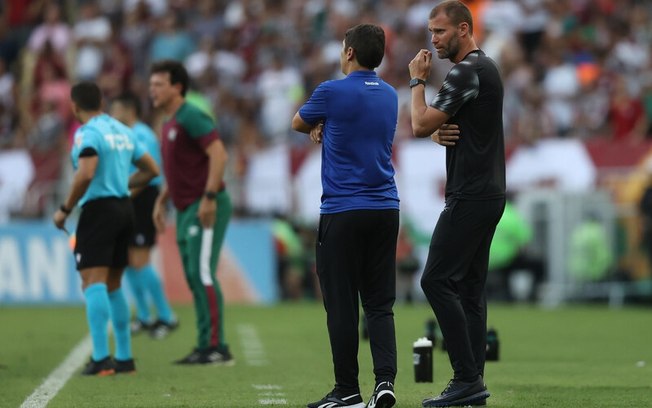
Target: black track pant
x=454, y=280
x=356, y=259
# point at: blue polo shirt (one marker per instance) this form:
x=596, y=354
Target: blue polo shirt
x=116, y=149
x=360, y=113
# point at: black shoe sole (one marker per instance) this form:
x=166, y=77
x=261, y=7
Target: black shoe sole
x=462, y=402
x=386, y=401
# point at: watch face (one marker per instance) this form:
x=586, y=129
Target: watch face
x=414, y=82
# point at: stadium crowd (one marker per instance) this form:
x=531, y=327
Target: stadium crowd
x=572, y=69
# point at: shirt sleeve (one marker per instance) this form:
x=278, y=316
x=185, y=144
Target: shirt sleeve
x=200, y=127
x=89, y=139
x=315, y=109
x=460, y=86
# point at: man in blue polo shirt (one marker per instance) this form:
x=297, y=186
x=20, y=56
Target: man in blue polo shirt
x=355, y=119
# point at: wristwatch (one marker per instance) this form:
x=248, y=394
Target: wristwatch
x=211, y=195
x=417, y=81
x=65, y=209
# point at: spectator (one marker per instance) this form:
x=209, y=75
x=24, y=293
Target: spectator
x=291, y=259
x=53, y=30
x=92, y=33
x=116, y=73
x=407, y=265
x=172, y=40
x=509, y=254
x=136, y=33
x=626, y=113
x=16, y=174
x=280, y=89
x=7, y=97
x=560, y=86
x=590, y=256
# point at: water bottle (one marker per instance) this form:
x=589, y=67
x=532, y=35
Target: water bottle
x=422, y=354
x=493, y=345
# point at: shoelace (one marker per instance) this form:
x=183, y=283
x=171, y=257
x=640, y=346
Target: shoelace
x=448, y=386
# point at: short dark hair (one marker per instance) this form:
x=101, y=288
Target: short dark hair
x=87, y=96
x=368, y=42
x=176, y=70
x=131, y=101
x=456, y=11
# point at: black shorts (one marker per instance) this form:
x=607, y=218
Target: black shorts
x=104, y=231
x=144, y=229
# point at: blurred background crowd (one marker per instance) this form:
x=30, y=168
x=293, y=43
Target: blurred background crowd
x=579, y=71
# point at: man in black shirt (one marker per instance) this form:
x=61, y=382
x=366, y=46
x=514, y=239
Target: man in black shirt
x=466, y=117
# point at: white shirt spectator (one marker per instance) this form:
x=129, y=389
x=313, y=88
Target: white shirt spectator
x=53, y=30
x=16, y=174
x=280, y=88
x=560, y=86
x=91, y=32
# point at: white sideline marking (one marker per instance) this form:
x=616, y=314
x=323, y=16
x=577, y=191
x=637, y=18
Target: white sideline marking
x=60, y=376
x=254, y=351
x=274, y=397
x=266, y=386
x=254, y=354
x=273, y=401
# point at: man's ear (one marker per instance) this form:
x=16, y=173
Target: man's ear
x=179, y=87
x=463, y=29
x=350, y=54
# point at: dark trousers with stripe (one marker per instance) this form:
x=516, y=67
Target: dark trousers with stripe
x=356, y=261
x=454, y=280
x=200, y=252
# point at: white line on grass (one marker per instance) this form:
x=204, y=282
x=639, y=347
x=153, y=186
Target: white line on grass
x=266, y=397
x=273, y=401
x=255, y=355
x=254, y=351
x=60, y=376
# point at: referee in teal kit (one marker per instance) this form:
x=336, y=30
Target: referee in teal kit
x=102, y=154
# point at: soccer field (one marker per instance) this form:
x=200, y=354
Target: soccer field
x=569, y=357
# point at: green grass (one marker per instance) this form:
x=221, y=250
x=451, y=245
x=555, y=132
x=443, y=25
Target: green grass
x=570, y=357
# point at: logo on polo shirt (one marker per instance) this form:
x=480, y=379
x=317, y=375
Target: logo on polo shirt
x=172, y=134
x=371, y=83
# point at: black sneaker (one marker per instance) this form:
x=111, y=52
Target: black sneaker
x=217, y=356
x=333, y=400
x=212, y=355
x=125, y=366
x=459, y=393
x=139, y=326
x=383, y=396
x=101, y=368
x=193, y=358
x=161, y=329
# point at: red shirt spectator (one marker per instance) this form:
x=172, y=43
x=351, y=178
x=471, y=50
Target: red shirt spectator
x=626, y=114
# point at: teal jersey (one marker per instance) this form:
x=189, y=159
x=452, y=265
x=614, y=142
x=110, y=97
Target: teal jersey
x=116, y=148
x=146, y=136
